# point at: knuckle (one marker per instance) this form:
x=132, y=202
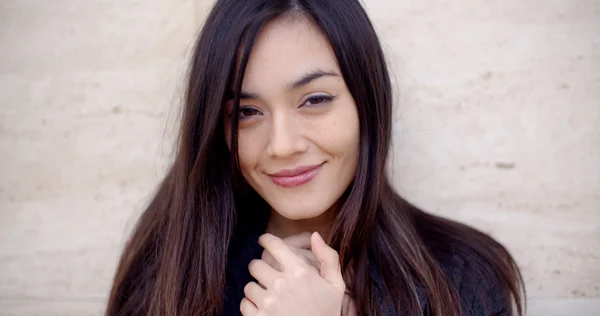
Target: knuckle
x=279, y=284
x=268, y=302
x=300, y=272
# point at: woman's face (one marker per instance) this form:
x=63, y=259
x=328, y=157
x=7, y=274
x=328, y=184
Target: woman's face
x=298, y=124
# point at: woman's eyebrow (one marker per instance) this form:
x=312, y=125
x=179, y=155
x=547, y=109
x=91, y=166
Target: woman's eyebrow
x=243, y=95
x=309, y=77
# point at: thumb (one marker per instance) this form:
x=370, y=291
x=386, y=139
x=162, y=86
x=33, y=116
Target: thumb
x=328, y=259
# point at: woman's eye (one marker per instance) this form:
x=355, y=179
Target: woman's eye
x=318, y=99
x=247, y=112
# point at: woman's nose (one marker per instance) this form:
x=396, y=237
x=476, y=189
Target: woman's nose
x=286, y=137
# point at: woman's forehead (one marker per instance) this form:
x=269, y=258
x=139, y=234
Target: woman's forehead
x=285, y=50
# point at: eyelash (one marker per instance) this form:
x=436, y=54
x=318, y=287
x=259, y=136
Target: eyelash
x=322, y=98
x=247, y=108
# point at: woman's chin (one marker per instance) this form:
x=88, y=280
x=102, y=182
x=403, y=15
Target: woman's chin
x=298, y=215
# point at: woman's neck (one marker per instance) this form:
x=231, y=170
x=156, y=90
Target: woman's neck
x=283, y=227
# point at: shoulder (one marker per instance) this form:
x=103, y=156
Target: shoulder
x=480, y=269
x=480, y=288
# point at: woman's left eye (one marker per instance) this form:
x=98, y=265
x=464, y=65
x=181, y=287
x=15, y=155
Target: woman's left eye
x=318, y=99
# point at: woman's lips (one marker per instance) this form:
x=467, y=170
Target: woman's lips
x=290, y=178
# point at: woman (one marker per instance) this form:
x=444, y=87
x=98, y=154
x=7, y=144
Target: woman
x=285, y=131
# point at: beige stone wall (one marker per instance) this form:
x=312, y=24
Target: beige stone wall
x=498, y=125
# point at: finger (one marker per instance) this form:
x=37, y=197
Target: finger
x=255, y=293
x=305, y=254
x=270, y=260
x=262, y=272
x=248, y=308
x=328, y=260
x=301, y=240
x=282, y=253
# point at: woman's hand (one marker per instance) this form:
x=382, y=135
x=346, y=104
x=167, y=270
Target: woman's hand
x=298, y=288
x=301, y=245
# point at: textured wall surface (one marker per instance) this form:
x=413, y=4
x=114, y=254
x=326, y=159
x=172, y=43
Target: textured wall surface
x=497, y=125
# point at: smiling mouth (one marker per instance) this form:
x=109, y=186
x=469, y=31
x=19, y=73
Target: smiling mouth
x=296, y=177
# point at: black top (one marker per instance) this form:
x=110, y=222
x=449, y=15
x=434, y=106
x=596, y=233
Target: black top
x=477, y=299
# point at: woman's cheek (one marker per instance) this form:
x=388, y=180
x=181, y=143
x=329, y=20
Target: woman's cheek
x=250, y=150
x=340, y=132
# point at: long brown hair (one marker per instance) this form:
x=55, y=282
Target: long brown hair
x=175, y=261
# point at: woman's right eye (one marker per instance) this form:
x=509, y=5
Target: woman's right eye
x=246, y=112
